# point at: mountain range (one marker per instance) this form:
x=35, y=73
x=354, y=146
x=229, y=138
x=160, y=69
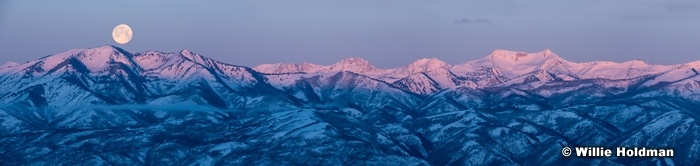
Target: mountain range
x=106, y=105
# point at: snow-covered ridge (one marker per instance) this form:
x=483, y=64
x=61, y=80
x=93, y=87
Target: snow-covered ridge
x=9, y=64
x=114, y=62
x=510, y=64
x=99, y=58
x=153, y=108
x=499, y=68
x=356, y=65
x=423, y=76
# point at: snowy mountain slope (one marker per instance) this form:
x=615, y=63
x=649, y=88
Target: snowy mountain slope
x=500, y=68
x=105, y=105
x=512, y=64
x=695, y=65
x=483, y=126
x=115, y=76
x=356, y=65
x=436, y=70
x=9, y=64
x=425, y=76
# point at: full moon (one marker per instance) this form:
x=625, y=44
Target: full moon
x=122, y=34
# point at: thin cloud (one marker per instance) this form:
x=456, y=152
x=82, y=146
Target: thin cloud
x=472, y=21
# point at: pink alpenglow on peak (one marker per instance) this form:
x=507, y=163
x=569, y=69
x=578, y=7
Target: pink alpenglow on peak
x=424, y=76
x=429, y=64
x=499, y=67
x=356, y=65
x=430, y=75
x=511, y=63
x=9, y=64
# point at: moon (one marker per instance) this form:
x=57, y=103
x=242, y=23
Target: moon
x=122, y=34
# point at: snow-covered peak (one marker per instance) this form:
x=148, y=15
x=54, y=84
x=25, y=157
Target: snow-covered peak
x=429, y=64
x=548, y=52
x=637, y=63
x=306, y=66
x=99, y=58
x=198, y=59
x=505, y=53
x=513, y=63
x=107, y=48
x=9, y=64
x=278, y=68
x=514, y=57
x=356, y=65
x=694, y=64
x=189, y=55
x=94, y=59
x=150, y=60
x=614, y=70
x=194, y=57
x=353, y=60
x=353, y=63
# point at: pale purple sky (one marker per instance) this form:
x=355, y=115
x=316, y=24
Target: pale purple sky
x=388, y=33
